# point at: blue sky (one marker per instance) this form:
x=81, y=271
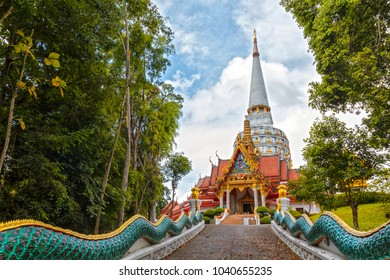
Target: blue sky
x=212, y=68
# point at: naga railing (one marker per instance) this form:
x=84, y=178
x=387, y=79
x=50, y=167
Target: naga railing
x=353, y=244
x=30, y=239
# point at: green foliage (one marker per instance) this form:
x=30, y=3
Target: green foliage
x=219, y=210
x=176, y=167
x=353, y=61
x=206, y=219
x=60, y=146
x=265, y=220
x=381, y=184
x=350, y=43
x=336, y=157
x=272, y=212
x=262, y=210
x=209, y=213
x=366, y=198
x=295, y=213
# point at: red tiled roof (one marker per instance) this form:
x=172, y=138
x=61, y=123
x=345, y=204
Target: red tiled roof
x=199, y=183
x=221, y=165
x=203, y=183
x=206, y=183
x=293, y=175
x=283, y=170
x=269, y=166
x=214, y=171
x=168, y=207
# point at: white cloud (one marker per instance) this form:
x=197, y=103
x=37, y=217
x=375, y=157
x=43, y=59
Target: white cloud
x=278, y=35
x=189, y=43
x=163, y=5
x=181, y=83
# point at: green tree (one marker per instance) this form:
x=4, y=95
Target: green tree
x=54, y=165
x=337, y=157
x=56, y=168
x=150, y=43
x=350, y=41
x=313, y=185
x=176, y=167
x=380, y=183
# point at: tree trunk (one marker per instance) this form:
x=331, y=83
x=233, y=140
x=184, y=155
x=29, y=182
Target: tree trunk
x=173, y=199
x=125, y=178
x=8, y=130
x=152, y=212
x=107, y=171
x=354, y=207
x=6, y=14
x=11, y=111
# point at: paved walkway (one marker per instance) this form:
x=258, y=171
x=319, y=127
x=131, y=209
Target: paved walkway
x=234, y=242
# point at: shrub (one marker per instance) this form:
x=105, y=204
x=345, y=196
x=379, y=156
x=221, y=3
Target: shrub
x=209, y=213
x=219, y=210
x=272, y=212
x=262, y=210
x=367, y=198
x=206, y=219
x=265, y=220
x=295, y=213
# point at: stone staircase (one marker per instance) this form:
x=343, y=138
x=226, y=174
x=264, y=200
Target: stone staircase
x=238, y=219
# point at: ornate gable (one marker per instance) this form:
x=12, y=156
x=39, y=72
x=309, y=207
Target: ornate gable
x=242, y=169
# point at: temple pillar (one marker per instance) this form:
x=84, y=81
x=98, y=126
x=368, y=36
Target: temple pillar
x=228, y=199
x=262, y=193
x=221, y=200
x=256, y=198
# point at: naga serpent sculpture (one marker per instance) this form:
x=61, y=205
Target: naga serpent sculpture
x=374, y=244
x=30, y=239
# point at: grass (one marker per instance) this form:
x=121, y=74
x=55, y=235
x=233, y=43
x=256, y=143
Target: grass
x=370, y=216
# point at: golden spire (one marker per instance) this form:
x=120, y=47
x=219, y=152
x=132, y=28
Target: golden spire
x=247, y=139
x=254, y=35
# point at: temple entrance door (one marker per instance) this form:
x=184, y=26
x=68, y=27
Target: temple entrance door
x=247, y=208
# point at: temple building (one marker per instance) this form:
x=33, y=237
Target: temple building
x=260, y=162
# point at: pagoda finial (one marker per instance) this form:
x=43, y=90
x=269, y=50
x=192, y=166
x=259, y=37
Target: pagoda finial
x=255, y=49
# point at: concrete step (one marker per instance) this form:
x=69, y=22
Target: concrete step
x=239, y=219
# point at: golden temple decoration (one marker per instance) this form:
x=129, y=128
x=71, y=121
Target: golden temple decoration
x=358, y=184
x=195, y=193
x=282, y=191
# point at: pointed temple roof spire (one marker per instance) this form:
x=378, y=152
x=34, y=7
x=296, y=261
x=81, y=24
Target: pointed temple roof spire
x=258, y=94
x=255, y=49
